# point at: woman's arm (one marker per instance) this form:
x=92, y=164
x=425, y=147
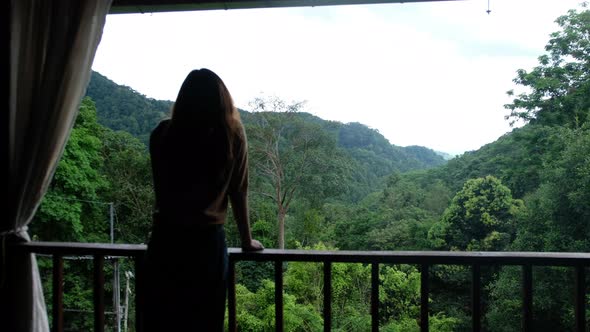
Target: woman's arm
x=239, y=202
x=238, y=194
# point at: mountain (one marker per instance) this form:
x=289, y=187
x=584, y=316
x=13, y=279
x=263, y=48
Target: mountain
x=446, y=156
x=122, y=108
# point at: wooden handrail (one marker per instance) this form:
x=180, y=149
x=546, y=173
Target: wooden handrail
x=336, y=256
x=425, y=259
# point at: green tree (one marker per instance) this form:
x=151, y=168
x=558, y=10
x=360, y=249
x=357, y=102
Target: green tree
x=255, y=311
x=558, y=89
x=71, y=210
x=557, y=220
x=127, y=167
x=399, y=295
x=481, y=216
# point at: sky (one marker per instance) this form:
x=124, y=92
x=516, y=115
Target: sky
x=431, y=74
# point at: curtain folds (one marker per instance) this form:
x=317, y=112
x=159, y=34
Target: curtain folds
x=52, y=46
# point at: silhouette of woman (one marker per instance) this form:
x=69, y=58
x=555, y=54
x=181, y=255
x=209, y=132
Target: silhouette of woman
x=199, y=162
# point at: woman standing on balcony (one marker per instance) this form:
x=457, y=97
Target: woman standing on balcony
x=199, y=162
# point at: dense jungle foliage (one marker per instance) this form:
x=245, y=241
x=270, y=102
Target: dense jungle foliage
x=344, y=186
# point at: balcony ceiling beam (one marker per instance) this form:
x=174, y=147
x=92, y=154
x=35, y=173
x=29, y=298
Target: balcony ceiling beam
x=151, y=6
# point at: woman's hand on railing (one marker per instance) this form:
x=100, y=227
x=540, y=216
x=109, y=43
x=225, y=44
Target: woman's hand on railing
x=253, y=245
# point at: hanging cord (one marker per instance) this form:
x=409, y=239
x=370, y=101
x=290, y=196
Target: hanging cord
x=489, y=10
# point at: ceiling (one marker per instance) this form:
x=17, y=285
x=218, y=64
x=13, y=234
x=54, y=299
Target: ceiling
x=149, y=6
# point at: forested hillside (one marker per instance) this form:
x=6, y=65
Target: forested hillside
x=343, y=186
x=529, y=190
x=122, y=108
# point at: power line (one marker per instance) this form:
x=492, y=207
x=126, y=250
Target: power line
x=79, y=200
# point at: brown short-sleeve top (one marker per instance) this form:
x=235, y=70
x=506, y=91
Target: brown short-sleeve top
x=193, y=173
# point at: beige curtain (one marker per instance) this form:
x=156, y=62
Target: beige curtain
x=52, y=46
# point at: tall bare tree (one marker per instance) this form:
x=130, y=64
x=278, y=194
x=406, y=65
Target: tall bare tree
x=283, y=153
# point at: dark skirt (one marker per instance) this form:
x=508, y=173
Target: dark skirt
x=186, y=278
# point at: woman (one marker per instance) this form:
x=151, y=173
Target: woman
x=199, y=162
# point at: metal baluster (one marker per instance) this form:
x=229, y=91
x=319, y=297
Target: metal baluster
x=580, y=306
x=375, y=297
x=99, y=293
x=476, y=297
x=424, y=290
x=527, y=299
x=279, y=296
x=58, y=293
x=327, y=296
x=231, y=298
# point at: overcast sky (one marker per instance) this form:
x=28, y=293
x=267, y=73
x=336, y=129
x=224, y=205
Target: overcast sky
x=430, y=74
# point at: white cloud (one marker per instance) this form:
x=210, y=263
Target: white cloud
x=432, y=74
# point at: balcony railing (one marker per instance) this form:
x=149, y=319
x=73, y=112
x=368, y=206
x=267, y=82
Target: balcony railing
x=424, y=259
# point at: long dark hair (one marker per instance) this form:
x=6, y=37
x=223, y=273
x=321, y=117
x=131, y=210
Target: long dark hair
x=205, y=105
